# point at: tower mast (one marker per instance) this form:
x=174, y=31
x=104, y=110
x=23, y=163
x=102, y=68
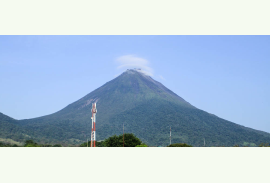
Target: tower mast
x=93, y=133
x=170, y=136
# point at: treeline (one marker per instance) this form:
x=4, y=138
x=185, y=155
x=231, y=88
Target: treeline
x=179, y=145
x=261, y=145
x=128, y=140
x=2, y=144
x=29, y=143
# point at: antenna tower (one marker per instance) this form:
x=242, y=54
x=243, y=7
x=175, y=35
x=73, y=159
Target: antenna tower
x=93, y=133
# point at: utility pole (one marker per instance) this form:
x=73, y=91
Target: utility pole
x=123, y=136
x=93, y=134
x=204, y=142
x=170, y=136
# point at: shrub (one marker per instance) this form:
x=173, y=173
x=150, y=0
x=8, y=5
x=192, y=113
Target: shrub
x=179, y=145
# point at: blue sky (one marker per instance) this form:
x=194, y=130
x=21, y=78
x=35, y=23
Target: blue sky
x=224, y=75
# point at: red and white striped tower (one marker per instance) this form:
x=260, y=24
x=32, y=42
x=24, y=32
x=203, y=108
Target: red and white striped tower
x=93, y=134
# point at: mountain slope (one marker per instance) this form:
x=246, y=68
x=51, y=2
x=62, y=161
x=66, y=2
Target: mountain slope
x=11, y=129
x=147, y=108
x=123, y=93
x=188, y=126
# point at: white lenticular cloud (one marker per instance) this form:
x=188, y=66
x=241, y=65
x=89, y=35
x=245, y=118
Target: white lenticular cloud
x=131, y=62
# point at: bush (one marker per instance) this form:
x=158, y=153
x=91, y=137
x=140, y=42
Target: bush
x=142, y=145
x=30, y=143
x=130, y=140
x=179, y=145
x=57, y=145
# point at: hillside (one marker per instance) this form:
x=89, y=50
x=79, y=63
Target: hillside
x=11, y=130
x=145, y=106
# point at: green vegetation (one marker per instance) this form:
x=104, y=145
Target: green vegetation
x=130, y=140
x=114, y=141
x=142, y=145
x=147, y=109
x=264, y=145
x=179, y=145
x=10, y=141
x=2, y=144
x=31, y=143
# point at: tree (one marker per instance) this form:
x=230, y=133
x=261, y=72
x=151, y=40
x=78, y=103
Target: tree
x=130, y=140
x=57, y=145
x=264, y=145
x=179, y=145
x=30, y=143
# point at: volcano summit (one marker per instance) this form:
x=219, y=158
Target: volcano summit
x=146, y=107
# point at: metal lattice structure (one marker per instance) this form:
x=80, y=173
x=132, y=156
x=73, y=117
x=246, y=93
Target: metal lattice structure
x=93, y=133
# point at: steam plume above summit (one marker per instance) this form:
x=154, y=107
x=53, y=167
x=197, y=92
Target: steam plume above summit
x=131, y=61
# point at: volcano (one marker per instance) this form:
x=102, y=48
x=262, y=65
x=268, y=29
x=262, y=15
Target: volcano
x=146, y=108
